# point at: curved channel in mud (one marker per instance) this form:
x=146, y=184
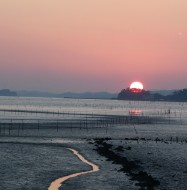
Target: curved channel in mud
x=55, y=185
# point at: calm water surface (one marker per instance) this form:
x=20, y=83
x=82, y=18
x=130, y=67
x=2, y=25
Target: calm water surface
x=85, y=106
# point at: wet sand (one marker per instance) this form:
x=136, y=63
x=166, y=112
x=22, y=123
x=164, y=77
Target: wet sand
x=124, y=164
x=133, y=157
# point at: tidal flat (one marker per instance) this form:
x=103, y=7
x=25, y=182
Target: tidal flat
x=34, y=163
x=133, y=152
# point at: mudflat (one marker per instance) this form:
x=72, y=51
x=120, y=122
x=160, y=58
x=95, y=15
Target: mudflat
x=127, y=160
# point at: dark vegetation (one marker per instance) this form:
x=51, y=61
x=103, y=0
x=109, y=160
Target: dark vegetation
x=127, y=94
x=176, y=96
x=180, y=95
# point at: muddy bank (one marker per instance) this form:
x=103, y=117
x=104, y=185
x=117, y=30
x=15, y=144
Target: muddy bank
x=35, y=166
x=131, y=168
x=137, y=163
x=149, y=164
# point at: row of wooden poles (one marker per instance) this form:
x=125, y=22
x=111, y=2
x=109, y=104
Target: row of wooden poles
x=166, y=114
x=19, y=125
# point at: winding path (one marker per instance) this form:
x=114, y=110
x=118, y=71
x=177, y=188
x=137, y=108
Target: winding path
x=55, y=185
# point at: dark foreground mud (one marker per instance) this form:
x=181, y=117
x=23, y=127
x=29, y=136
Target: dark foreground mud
x=131, y=168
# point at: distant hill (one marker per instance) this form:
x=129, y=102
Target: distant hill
x=7, y=92
x=128, y=94
x=175, y=96
x=178, y=96
x=84, y=95
x=125, y=94
x=25, y=93
x=89, y=95
x=162, y=92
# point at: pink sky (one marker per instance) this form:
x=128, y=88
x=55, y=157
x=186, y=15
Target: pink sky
x=93, y=45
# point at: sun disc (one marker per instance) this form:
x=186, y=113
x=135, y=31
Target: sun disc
x=137, y=86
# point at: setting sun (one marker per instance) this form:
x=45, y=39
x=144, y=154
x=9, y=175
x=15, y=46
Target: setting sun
x=136, y=86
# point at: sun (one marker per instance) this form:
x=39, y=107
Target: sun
x=136, y=87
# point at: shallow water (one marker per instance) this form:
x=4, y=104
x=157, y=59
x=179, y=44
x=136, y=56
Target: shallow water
x=59, y=117
x=55, y=185
x=85, y=106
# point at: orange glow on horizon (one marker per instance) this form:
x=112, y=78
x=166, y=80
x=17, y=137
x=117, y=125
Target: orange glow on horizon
x=92, y=45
